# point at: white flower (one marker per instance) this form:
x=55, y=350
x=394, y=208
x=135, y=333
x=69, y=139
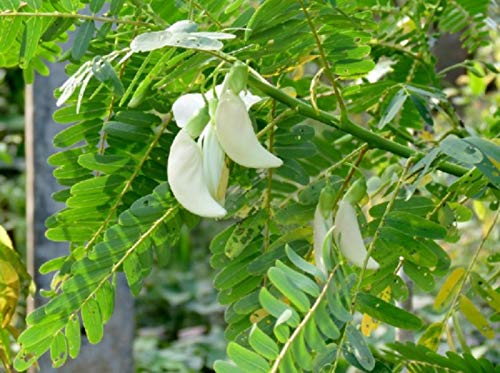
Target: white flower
x=187, y=180
x=197, y=172
x=348, y=237
x=186, y=106
x=236, y=135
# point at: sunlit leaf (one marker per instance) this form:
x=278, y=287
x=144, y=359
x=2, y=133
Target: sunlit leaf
x=448, y=290
x=475, y=317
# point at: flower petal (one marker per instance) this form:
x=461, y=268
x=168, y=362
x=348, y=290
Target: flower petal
x=186, y=107
x=348, y=236
x=213, y=159
x=237, y=137
x=248, y=98
x=186, y=179
x=320, y=229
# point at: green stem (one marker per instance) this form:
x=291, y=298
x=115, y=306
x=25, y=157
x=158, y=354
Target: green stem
x=202, y=9
x=373, y=139
x=74, y=16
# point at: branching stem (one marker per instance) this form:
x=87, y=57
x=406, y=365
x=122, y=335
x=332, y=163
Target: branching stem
x=374, y=140
x=352, y=171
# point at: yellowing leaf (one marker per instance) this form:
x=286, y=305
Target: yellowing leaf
x=475, y=317
x=368, y=325
x=290, y=91
x=431, y=336
x=385, y=294
x=9, y=292
x=445, y=295
x=298, y=73
x=427, y=136
x=258, y=315
x=5, y=239
x=480, y=209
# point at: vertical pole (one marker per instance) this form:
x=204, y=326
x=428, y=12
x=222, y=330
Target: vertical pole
x=114, y=353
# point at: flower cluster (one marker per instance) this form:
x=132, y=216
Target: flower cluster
x=196, y=170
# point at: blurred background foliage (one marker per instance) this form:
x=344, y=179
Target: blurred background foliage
x=12, y=177
x=179, y=322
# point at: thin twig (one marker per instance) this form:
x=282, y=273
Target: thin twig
x=468, y=271
x=303, y=323
x=323, y=58
x=212, y=18
x=74, y=16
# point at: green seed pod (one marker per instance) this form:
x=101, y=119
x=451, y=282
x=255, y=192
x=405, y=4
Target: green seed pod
x=198, y=122
x=356, y=192
x=237, y=78
x=326, y=200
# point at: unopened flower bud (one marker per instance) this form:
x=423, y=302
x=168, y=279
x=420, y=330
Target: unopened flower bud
x=326, y=200
x=237, y=78
x=356, y=192
x=348, y=237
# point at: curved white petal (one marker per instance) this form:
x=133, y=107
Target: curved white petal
x=348, y=236
x=320, y=229
x=186, y=179
x=248, y=98
x=213, y=159
x=236, y=135
x=186, y=107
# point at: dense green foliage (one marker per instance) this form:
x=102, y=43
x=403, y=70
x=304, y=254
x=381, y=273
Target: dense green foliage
x=351, y=97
